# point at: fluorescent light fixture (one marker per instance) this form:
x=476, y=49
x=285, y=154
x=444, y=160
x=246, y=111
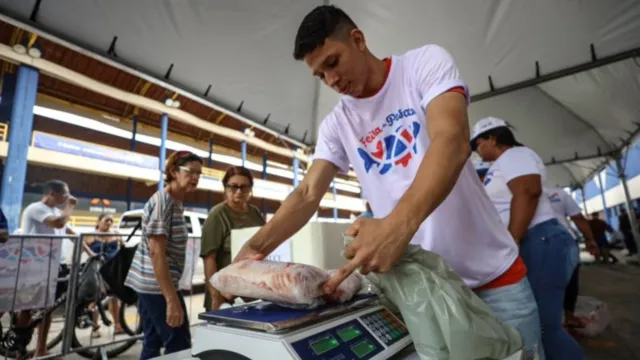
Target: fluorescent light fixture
x=273, y=168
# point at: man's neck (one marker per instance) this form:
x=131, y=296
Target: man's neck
x=47, y=201
x=377, y=76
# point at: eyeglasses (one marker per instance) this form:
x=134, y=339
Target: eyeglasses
x=190, y=171
x=242, y=188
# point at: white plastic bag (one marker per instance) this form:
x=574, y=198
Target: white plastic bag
x=287, y=284
x=594, y=314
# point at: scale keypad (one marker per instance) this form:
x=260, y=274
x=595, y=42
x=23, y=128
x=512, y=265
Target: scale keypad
x=385, y=326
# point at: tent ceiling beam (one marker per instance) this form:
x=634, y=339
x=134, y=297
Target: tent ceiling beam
x=593, y=64
x=615, y=154
x=600, y=154
x=122, y=65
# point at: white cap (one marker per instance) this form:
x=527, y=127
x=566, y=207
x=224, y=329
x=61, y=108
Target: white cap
x=486, y=124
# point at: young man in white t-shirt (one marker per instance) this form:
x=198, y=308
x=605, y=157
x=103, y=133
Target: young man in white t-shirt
x=45, y=218
x=402, y=122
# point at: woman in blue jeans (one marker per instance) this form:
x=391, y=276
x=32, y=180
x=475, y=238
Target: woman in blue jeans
x=159, y=260
x=514, y=182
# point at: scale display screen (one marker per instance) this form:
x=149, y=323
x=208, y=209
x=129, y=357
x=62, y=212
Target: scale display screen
x=349, y=333
x=323, y=345
x=363, y=348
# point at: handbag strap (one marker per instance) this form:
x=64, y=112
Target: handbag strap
x=136, y=228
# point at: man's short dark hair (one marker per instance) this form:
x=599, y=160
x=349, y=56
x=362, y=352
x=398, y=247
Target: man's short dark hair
x=55, y=186
x=321, y=23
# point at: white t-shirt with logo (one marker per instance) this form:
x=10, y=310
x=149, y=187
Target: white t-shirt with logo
x=385, y=138
x=563, y=205
x=515, y=162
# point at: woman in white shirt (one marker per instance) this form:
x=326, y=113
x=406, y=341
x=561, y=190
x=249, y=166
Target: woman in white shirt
x=514, y=182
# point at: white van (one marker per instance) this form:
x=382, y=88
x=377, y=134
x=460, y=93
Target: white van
x=194, y=220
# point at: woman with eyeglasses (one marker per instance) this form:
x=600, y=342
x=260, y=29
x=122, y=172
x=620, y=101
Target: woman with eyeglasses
x=160, y=259
x=514, y=183
x=234, y=213
x=109, y=245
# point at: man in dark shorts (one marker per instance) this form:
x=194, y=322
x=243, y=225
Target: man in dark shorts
x=599, y=228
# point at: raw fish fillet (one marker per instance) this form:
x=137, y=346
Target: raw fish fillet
x=275, y=281
x=284, y=283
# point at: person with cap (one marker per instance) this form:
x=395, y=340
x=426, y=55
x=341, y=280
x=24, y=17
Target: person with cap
x=402, y=123
x=566, y=208
x=514, y=183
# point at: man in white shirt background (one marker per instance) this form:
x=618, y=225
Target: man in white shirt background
x=566, y=208
x=49, y=216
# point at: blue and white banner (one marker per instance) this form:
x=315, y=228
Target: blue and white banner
x=93, y=151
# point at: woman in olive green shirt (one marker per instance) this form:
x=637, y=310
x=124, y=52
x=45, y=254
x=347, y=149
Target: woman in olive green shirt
x=234, y=213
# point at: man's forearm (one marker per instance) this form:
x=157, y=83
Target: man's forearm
x=523, y=208
x=292, y=215
x=436, y=177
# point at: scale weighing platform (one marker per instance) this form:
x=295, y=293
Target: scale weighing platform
x=360, y=329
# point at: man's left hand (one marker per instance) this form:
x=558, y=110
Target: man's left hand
x=378, y=245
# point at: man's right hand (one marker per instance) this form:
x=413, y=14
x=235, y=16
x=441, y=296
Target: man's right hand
x=72, y=201
x=247, y=252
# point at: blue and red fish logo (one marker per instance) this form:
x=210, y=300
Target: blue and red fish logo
x=555, y=197
x=397, y=148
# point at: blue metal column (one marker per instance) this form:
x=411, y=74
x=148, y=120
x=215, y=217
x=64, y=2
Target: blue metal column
x=164, y=127
x=335, y=198
x=132, y=148
x=264, y=177
x=21, y=125
x=210, y=166
x=604, y=202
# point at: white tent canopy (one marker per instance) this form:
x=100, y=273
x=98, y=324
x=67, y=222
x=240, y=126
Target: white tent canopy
x=243, y=49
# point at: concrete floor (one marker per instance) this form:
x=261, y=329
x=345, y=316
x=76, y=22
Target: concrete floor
x=617, y=285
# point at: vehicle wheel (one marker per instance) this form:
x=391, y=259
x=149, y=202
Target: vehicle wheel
x=113, y=350
x=130, y=329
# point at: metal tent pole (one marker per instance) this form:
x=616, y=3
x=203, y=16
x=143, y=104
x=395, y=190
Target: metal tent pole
x=627, y=201
x=602, y=196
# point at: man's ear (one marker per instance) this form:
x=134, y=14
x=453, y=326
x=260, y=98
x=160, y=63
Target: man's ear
x=357, y=36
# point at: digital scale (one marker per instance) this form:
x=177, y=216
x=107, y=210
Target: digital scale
x=360, y=329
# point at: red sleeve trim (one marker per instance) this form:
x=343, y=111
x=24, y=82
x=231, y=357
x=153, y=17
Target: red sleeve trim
x=458, y=89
